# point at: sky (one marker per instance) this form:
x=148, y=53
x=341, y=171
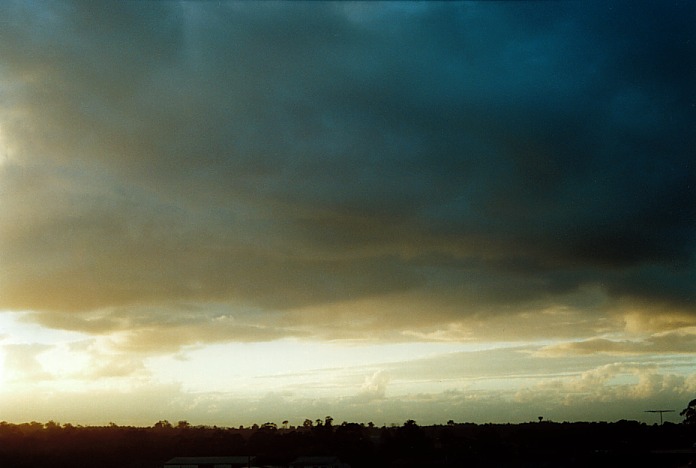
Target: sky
x=239, y=212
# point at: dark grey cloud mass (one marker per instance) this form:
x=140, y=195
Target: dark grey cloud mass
x=497, y=157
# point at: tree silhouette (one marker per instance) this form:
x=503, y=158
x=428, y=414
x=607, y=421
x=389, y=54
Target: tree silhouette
x=689, y=413
x=162, y=424
x=411, y=440
x=269, y=426
x=624, y=443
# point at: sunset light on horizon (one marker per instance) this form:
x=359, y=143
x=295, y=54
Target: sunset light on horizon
x=234, y=212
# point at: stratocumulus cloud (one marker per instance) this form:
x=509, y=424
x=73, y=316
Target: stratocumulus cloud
x=250, y=172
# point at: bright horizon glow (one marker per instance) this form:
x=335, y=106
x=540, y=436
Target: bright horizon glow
x=2, y=369
x=254, y=379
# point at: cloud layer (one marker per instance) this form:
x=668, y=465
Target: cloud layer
x=182, y=173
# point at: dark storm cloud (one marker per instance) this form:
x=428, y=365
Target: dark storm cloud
x=500, y=156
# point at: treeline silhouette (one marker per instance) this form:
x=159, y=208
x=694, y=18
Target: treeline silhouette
x=534, y=444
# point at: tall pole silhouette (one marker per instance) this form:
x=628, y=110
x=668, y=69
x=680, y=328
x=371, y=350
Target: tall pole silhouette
x=661, y=411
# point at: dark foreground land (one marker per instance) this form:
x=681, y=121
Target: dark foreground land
x=538, y=444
